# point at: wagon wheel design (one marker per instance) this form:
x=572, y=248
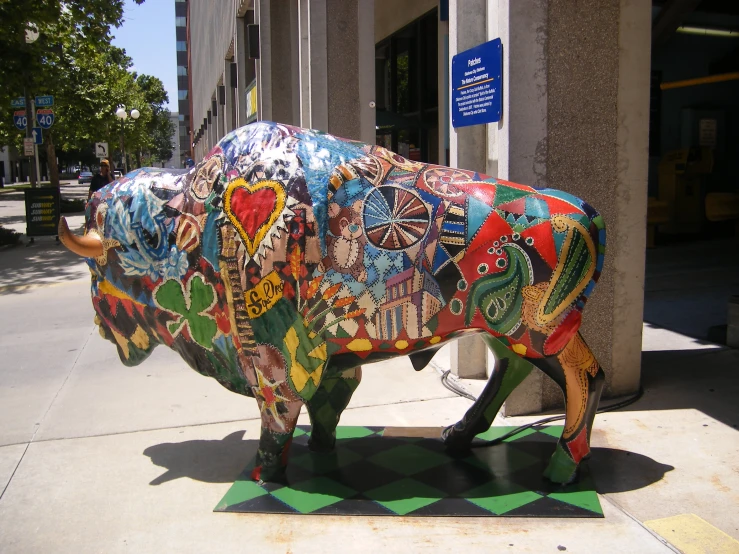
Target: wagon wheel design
x=440, y=181
x=394, y=218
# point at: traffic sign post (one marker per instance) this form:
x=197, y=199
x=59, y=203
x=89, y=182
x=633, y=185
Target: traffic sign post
x=18, y=103
x=37, y=136
x=28, y=146
x=20, y=120
x=101, y=149
x=45, y=117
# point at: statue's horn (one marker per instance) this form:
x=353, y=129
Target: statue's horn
x=88, y=246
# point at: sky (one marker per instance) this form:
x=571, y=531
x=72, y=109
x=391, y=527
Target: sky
x=148, y=36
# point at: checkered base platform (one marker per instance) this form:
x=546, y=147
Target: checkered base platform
x=373, y=474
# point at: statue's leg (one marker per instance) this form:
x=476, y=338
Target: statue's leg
x=279, y=407
x=510, y=370
x=325, y=408
x=578, y=373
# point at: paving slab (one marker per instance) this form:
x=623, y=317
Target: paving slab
x=42, y=332
x=693, y=465
x=9, y=458
x=154, y=491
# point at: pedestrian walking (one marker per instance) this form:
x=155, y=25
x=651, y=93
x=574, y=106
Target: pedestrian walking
x=102, y=178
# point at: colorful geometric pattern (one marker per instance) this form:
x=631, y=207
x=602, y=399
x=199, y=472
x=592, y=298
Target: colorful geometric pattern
x=370, y=474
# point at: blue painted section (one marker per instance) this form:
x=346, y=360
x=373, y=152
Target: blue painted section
x=537, y=207
x=477, y=213
x=210, y=239
x=320, y=154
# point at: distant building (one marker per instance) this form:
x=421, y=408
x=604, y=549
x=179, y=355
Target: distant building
x=184, y=136
x=177, y=160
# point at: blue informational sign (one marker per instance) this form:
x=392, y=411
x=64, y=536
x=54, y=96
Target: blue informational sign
x=37, y=137
x=20, y=120
x=44, y=101
x=477, y=87
x=18, y=103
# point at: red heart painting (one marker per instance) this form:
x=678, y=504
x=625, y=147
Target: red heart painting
x=253, y=209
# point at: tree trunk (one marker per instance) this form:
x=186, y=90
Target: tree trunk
x=51, y=160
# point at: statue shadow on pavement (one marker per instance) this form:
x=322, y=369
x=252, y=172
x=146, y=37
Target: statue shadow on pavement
x=223, y=461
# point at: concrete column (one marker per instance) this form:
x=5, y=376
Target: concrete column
x=276, y=72
x=336, y=43
x=576, y=118
x=240, y=57
x=230, y=107
x=313, y=74
x=262, y=16
x=467, y=28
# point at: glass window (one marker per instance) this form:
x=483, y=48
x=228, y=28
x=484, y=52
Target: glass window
x=181, y=117
x=182, y=71
x=182, y=94
x=181, y=45
x=180, y=21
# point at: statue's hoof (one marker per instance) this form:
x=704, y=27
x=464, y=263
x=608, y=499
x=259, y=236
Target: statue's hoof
x=269, y=474
x=454, y=440
x=561, y=469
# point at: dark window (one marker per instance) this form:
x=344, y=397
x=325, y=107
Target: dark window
x=407, y=96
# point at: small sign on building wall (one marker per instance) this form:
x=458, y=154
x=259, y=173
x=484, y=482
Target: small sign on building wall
x=707, y=131
x=477, y=86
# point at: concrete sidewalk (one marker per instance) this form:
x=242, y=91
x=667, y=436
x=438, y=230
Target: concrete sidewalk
x=97, y=457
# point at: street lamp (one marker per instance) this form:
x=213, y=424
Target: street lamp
x=122, y=115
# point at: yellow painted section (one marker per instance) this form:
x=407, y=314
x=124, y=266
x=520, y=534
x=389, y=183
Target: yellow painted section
x=264, y=295
x=140, y=338
x=519, y=349
x=359, y=345
x=401, y=344
x=122, y=342
x=105, y=287
x=434, y=340
x=693, y=535
x=298, y=374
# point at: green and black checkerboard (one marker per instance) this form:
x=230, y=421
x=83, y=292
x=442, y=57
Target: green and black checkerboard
x=373, y=474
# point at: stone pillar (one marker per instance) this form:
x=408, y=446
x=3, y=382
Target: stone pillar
x=230, y=107
x=276, y=74
x=576, y=118
x=336, y=67
x=467, y=151
x=241, y=59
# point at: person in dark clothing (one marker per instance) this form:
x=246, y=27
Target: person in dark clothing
x=100, y=179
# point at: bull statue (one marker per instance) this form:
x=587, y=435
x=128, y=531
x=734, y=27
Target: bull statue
x=288, y=258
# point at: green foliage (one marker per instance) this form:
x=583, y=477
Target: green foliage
x=73, y=59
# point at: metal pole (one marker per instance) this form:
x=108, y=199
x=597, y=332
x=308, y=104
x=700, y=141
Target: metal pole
x=31, y=172
x=123, y=150
x=35, y=146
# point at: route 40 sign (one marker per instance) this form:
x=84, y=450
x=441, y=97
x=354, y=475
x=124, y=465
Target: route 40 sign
x=19, y=119
x=45, y=117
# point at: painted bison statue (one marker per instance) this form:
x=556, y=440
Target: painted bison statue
x=288, y=258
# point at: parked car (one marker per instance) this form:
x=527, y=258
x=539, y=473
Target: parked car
x=84, y=177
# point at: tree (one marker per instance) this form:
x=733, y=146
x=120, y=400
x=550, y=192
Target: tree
x=72, y=59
